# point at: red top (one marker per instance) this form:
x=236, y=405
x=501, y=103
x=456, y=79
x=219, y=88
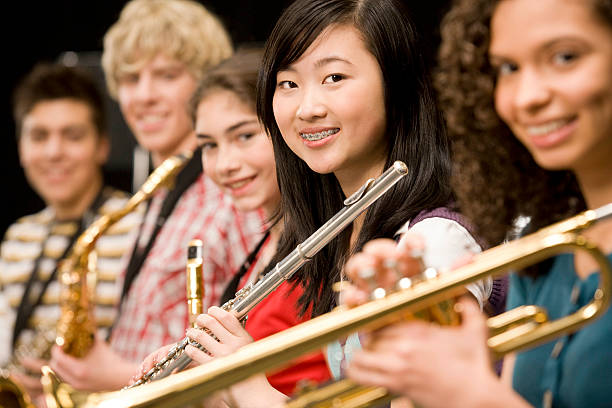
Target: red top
x=277, y=312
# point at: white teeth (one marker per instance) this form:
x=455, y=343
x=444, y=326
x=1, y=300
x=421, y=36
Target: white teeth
x=546, y=128
x=319, y=135
x=151, y=118
x=239, y=184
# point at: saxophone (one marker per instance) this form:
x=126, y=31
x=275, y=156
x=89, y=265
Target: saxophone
x=75, y=330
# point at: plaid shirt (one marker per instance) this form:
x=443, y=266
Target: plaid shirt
x=154, y=312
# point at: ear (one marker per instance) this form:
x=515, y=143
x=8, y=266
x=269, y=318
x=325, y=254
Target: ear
x=103, y=149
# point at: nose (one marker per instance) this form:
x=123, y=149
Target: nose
x=228, y=161
x=312, y=104
x=145, y=89
x=54, y=147
x=532, y=92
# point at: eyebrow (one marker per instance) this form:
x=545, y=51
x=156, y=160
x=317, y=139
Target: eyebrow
x=329, y=60
x=240, y=124
x=229, y=129
x=543, y=46
x=322, y=62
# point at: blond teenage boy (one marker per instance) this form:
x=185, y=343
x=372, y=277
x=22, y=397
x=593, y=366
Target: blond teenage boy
x=153, y=58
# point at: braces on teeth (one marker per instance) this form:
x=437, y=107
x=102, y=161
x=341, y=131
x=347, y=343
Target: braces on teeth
x=319, y=135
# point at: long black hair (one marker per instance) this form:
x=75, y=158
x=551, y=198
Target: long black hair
x=414, y=134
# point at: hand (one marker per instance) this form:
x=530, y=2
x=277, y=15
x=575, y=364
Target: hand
x=381, y=263
x=149, y=362
x=225, y=327
x=431, y=365
x=100, y=370
x=31, y=383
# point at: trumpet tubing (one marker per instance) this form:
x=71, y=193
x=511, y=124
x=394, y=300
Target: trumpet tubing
x=278, y=350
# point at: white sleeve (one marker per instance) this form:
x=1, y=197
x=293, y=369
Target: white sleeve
x=446, y=241
x=6, y=330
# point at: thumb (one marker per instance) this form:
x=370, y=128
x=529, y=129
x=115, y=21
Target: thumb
x=473, y=319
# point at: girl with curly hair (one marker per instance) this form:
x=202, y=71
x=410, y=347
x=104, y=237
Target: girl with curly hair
x=526, y=87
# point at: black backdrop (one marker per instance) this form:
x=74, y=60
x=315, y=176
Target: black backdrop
x=44, y=30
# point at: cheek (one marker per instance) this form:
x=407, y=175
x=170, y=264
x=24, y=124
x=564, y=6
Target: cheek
x=209, y=164
x=281, y=111
x=501, y=100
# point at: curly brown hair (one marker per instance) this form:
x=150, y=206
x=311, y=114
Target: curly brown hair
x=495, y=178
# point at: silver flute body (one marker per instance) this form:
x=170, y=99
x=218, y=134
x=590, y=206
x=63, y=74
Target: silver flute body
x=251, y=295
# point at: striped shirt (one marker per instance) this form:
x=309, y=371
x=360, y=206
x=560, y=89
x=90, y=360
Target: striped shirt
x=41, y=237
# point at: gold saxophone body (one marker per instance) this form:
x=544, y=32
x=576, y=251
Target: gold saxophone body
x=514, y=330
x=76, y=327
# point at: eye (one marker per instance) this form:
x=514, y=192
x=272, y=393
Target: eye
x=287, y=84
x=333, y=78
x=131, y=78
x=206, y=146
x=245, y=136
x=75, y=134
x=505, y=68
x=169, y=75
x=564, y=57
x=37, y=136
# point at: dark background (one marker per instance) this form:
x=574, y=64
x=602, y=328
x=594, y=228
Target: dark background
x=36, y=31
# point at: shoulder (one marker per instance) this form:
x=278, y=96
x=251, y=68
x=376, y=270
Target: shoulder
x=445, y=239
x=115, y=200
x=31, y=227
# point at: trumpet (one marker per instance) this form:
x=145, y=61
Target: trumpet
x=278, y=350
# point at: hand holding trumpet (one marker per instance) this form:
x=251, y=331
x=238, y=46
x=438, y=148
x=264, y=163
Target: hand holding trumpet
x=432, y=365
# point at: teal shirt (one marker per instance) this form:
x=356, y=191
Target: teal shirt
x=573, y=371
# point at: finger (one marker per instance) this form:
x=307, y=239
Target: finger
x=353, y=296
x=472, y=317
x=210, y=344
x=32, y=384
x=197, y=355
x=214, y=326
x=355, y=267
x=463, y=260
x=32, y=364
x=229, y=321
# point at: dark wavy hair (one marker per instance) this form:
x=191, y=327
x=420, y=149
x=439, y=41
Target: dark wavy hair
x=49, y=81
x=495, y=178
x=237, y=74
x=414, y=134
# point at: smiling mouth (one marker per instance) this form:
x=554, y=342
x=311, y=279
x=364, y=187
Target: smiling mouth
x=547, y=127
x=239, y=184
x=312, y=137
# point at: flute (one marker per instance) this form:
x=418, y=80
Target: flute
x=248, y=297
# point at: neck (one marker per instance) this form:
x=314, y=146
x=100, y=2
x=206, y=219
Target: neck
x=76, y=208
x=189, y=143
x=352, y=179
x=596, y=185
x=276, y=229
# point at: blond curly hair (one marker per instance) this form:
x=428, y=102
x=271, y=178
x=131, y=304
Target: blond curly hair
x=180, y=29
